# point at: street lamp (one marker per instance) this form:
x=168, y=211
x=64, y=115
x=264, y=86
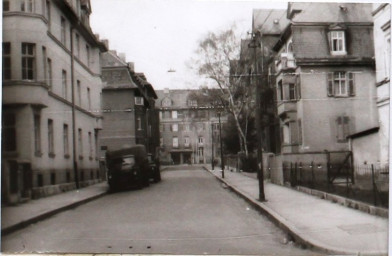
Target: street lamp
x=256, y=44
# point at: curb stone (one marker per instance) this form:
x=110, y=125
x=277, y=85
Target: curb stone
x=298, y=236
x=40, y=217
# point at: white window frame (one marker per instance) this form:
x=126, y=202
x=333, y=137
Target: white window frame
x=27, y=5
x=174, y=127
x=174, y=114
x=340, y=84
x=337, y=42
x=28, y=60
x=175, y=142
x=186, y=141
x=139, y=101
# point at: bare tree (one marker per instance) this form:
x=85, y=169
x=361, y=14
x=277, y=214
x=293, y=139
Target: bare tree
x=218, y=60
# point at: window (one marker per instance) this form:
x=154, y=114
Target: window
x=27, y=5
x=6, y=5
x=90, y=145
x=139, y=101
x=87, y=55
x=192, y=103
x=341, y=84
x=44, y=62
x=28, y=61
x=186, y=142
x=337, y=42
x=174, y=114
x=65, y=140
x=37, y=134
x=286, y=133
x=139, y=123
x=80, y=142
x=201, y=140
x=9, y=132
x=342, y=128
x=280, y=90
x=292, y=92
x=79, y=92
x=88, y=98
x=175, y=142
x=387, y=58
x=175, y=127
x=6, y=61
x=48, y=12
x=187, y=127
x=64, y=84
x=50, y=76
x=52, y=178
x=77, y=43
x=50, y=138
x=63, y=31
x=201, y=154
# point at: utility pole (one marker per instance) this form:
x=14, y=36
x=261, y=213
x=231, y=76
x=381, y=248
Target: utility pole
x=260, y=175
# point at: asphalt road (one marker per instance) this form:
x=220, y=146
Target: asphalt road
x=189, y=212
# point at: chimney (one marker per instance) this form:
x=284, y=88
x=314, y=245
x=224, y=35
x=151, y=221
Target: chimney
x=131, y=66
x=106, y=43
x=121, y=55
x=97, y=36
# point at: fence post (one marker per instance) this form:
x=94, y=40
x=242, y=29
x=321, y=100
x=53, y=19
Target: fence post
x=374, y=187
x=291, y=175
x=296, y=173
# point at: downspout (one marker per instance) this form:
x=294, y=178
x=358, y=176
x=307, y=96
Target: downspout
x=75, y=164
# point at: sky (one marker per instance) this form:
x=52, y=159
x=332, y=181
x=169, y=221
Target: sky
x=162, y=35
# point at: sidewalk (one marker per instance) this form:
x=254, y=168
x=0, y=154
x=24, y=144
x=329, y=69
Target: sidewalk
x=312, y=221
x=19, y=216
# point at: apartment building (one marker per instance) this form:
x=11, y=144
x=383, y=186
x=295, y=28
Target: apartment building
x=323, y=79
x=189, y=128
x=128, y=103
x=51, y=98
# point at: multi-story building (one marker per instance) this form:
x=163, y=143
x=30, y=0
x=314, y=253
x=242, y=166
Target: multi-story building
x=189, y=127
x=382, y=45
x=51, y=98
x=128, y=103
x=323, y=79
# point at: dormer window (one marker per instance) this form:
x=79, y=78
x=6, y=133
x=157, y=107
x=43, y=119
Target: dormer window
x=337, y=40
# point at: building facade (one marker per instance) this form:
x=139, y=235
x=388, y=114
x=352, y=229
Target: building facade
x=128, y=103
x=51, y=98
x=323, y=80
x=189, y=129
x=382, y=42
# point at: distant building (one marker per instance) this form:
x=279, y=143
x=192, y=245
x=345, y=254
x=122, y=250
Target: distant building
x=51, y=98
x=323, y=80
x=128, y=103
x=382, y=42
x=189, y=130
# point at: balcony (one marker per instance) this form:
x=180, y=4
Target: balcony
x=287, y=106
x=25, y=92
x=285, y=62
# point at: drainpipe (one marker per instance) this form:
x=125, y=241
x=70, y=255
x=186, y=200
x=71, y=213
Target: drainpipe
x=75, y=163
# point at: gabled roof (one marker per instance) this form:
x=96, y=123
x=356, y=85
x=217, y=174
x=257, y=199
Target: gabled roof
x=330, y=12
x=110, y=59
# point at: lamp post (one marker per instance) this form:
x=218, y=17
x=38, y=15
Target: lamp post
x=212, y=147
x=260, y=175
x=221, y=147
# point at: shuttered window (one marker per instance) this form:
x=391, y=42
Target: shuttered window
x=340, y=84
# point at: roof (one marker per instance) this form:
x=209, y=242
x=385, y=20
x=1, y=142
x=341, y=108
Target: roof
x=330, y=12
x=269, y=21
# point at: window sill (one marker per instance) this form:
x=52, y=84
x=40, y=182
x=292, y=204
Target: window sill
x=66, y=156
x=52, y=155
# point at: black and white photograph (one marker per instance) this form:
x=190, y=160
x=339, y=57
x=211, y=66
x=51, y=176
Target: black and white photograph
x=195, y=127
